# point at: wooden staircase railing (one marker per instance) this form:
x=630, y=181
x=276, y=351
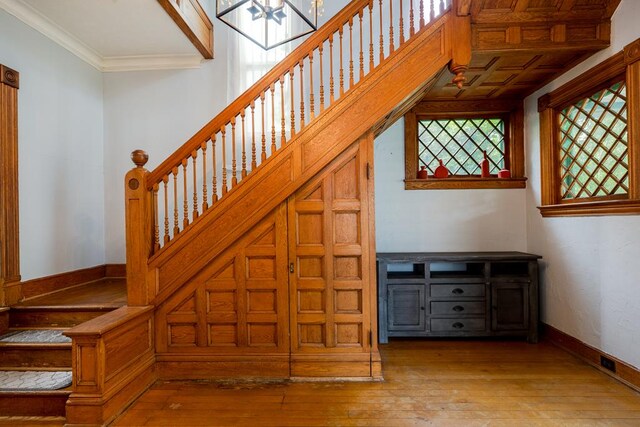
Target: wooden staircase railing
x=270, y=113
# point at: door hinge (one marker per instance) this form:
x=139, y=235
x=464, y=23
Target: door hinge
x=368, y=171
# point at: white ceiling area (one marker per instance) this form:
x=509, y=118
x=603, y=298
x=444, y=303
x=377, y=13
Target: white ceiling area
x=111, y=35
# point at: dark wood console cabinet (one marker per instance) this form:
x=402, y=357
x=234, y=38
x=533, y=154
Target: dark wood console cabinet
x=457, y=294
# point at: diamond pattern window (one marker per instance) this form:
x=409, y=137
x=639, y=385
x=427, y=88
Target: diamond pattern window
x=590, y=141
x=461, y=143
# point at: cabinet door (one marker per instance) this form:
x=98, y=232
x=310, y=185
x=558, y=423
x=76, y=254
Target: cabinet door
x=406, y=307
x=510, y=306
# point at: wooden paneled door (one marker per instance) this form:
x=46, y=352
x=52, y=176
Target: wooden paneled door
x=332, y=269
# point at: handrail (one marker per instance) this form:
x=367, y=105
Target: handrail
x=272, y=112
x=253, y=93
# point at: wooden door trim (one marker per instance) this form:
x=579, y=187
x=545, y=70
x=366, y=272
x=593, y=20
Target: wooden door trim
x=10, y=289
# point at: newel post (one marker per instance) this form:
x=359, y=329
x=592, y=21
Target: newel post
x=461, y=41
x=139, y=226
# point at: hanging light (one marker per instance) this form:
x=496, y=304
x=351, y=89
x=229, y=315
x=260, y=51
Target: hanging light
x=270, y=23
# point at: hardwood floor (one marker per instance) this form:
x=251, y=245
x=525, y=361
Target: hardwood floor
x=457, y=383
x=110, y=292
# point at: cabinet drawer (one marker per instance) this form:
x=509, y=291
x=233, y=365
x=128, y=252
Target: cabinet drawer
x=461, y=290
x=458, y=325
x=458, y=307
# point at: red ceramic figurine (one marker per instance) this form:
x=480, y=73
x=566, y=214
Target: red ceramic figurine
x=441, y=171
x=422, y=173
x=484, y=166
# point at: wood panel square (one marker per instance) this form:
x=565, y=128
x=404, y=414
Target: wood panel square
x=347, y=227
x=182, y=335
x=223, y=335
x=348, y=301
x=262, y=301
x=311, y=335
x=261, y=268
x=311, y=301
x=263, y=334
x=349, y=334
x=347, y=268
x=220, y=302
x=346, y=182
x=310, y=229
x=310, y=267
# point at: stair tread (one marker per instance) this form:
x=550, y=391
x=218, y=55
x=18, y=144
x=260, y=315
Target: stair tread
x=34, y=336
x=34, y=380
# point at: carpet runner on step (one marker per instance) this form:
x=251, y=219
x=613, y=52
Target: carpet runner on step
x=34, y=380
x=35, y=336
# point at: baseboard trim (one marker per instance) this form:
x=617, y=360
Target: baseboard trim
x=45, y=285
x=625, y=373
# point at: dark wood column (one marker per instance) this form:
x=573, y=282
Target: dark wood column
x=10, y=292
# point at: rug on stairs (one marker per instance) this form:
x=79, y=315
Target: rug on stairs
x=34, y=380
x=35, y=336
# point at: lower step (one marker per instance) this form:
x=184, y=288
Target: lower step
x=54, y=316
x=33, y=403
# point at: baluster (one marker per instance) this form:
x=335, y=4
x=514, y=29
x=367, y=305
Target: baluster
x=422, y=23
x=244, y=146
x=205, y=195
x=293, y=103
x=156, y=224
x=165, y=181
x=321, y=48
x=301, y=65
x=371, y=50
x=176, y=226
x=401, y=24
x=214, y=184
x=432, y=8
x=441, y=6
x=223, y=130
x=331, y=80
x=350, y=52
x=381, y=33
x=311, y=94
x=283, y=122
x=272, y=90
x=263, y=155
x=234, y=170
x=194, y=156
x=341, y=33
x=412, y=29
x=185, y=199
x=361, y=47
x=253, y=135
x=391, y=41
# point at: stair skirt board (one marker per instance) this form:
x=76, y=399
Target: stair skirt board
x=35, y=336
x=34, y=380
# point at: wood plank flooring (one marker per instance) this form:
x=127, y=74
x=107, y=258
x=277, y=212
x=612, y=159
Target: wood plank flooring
x=435, y=382
x=109, y=292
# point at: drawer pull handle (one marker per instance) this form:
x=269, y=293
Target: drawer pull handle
x=458, y=325
x=457, y=291
x=458, y=308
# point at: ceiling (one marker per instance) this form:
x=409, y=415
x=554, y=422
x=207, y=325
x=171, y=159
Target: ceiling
x=111, y=35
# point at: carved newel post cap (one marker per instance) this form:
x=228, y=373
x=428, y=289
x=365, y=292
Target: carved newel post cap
x=140, y=158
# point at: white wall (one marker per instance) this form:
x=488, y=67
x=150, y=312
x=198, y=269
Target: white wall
x=591, y=276
x=60, y=153
x=440, y=220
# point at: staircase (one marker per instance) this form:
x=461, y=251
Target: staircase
x=33, y=348
x=250, y=250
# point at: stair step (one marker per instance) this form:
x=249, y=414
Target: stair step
x=33, y=403
x=21, y=335
x=54, y=316
x=39, y=355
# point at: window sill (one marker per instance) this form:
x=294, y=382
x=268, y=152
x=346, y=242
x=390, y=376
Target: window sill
x=609, y=207
x=471, y=183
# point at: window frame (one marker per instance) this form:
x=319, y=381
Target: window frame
x=623, y=66
x=511, y=111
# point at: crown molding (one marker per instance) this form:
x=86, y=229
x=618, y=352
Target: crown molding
x=36, y=20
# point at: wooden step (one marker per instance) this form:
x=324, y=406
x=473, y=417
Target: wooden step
x=38, y=355
x=34, y=403
x=54, y=316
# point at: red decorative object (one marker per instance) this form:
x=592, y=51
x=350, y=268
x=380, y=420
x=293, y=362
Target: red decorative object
x=422, y=173
x=484, y=166
x=441, y=171
x=504, y=173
